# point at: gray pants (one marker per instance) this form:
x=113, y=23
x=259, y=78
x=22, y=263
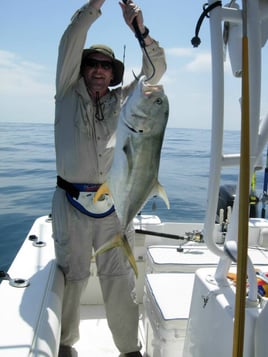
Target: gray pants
x=75, y=234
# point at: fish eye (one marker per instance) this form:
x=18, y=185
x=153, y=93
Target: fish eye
x=158, y=101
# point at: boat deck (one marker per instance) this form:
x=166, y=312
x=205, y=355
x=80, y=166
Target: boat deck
x=94, y=327
x=169, y=266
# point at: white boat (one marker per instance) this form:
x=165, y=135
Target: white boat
x=198, y=288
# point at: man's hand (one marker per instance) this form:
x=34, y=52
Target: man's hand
x=130, y=12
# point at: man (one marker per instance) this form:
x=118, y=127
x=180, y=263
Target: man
x=86, y=117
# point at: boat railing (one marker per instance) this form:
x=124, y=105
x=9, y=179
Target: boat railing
x=258, y=129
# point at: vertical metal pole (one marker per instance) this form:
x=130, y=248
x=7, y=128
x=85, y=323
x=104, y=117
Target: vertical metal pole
x=244, y=179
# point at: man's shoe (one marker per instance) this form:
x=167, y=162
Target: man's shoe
x=66, y=351
x=133, y=354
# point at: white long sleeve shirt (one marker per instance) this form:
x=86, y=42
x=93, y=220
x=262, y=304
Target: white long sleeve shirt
x=81, y=140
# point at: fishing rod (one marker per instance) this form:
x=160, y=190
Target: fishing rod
x=194, y=236
x=265, y=184
x=124, y=59
x=141, y=38
x=160, y=234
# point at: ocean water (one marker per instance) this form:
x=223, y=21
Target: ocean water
x=28, y=178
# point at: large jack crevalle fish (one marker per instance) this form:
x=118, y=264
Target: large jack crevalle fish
x=133, y=177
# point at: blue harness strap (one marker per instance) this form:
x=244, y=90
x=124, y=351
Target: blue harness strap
x=81, y=195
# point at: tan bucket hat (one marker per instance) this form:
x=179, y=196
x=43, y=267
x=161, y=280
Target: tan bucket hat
x=118, y=66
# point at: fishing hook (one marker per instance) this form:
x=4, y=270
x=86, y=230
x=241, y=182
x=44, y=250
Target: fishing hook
x=151, y=63
x=140, y=38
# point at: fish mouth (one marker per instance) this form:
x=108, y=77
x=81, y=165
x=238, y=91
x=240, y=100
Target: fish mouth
x=140, y=131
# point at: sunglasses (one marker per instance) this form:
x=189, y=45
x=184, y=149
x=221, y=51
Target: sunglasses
x=93, y=63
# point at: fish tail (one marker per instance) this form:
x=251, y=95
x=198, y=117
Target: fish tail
x=115, y=242
x=120, y=241
x=128, y=252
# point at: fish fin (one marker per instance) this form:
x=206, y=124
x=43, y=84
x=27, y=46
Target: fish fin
x=129, y=155
x=120, y=241
x=104, y=188
x=113, y=243
x=128, y=251
x=160, y=191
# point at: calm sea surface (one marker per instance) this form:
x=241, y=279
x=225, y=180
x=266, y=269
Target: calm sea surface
x=28, y=177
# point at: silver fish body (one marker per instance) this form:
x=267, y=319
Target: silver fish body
x=133, y=177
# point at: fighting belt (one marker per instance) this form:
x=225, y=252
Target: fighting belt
x=81, y=196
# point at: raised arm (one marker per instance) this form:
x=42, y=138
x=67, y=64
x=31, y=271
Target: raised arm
x=72, y=45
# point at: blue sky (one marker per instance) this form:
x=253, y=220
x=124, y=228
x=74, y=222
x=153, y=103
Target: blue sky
x=31, y=31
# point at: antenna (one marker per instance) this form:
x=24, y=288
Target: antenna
x=124, y=59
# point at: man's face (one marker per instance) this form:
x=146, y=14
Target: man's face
x=98, y=73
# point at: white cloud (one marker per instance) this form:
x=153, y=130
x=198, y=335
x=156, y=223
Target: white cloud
x=190, y=59
x=200, y=63
x=19, y=77
x=26, y=89
x=179, y=52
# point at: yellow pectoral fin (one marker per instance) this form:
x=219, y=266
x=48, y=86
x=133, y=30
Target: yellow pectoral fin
x=101, y=191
